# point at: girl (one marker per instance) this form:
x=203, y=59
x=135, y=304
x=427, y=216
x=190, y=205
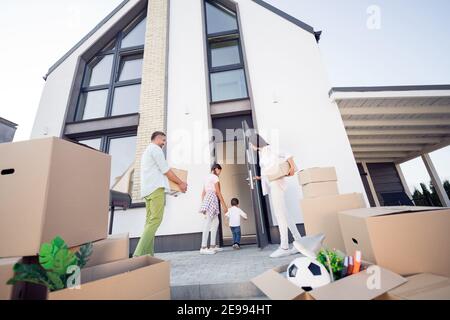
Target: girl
x=211, y=195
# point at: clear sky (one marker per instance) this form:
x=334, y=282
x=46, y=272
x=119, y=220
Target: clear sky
x=411, y=46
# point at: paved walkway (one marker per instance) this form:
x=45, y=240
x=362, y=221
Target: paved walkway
x=229, y=266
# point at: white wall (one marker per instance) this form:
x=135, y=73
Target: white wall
x=284, y=64
x=187, y=123
x=52, y=106
x=187, y=120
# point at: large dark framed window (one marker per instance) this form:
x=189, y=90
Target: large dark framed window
x=112, y=78
x=227, y=77
x=121, y=147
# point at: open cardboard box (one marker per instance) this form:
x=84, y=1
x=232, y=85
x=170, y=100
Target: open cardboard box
x=355, y=287
x=321, y=216
x=114, y=248
x=141, y=278
x=51, y=187
x=406, y=240
x=174, y=188
x=422, y=286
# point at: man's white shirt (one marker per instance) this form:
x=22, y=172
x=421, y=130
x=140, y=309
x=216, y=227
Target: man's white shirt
x=154, y=166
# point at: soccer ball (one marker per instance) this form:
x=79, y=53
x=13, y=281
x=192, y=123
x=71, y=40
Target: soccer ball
x=307, y=273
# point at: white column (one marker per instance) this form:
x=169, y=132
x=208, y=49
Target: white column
x=435, y=180
x=371, y=186
x=403, y=180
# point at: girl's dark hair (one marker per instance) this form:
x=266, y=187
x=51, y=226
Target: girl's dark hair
x=216, y=166
x=258, y=141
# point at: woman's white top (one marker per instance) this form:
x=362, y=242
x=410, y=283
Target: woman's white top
x=268, y=160
x=210, y=182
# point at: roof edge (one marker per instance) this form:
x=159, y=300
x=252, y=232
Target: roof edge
x=390, y=88
x=85, y=38
x=8, y=123
x=286, y=16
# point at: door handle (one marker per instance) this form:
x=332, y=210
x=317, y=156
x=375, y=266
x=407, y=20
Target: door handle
x=250, y=179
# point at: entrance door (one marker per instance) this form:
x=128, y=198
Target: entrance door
x=256, y=192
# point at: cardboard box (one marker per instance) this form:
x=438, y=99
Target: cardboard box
x=114, y=248
x=280, y=171
x=174, y=188
x=320, y=215
x=277, y=287
x=422, y=286
x=406, y=240
x=142, y=278
x=320, y=189
x=51, y=187
x=317, y=175
x=6, y=273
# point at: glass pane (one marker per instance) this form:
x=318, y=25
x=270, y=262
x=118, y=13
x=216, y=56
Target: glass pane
x=126, y=100
x=219, y=20
x=228, y=85
x=130, y=68
x=98, y=71
x=93, y=143
x=94, y=103
x=225, y=54
x=135, y=37
x=123, y=152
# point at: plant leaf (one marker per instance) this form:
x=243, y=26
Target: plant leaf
x=56, y=281
x=84, y=254
x=48, y=252
x=30, y=273
x=62, y=260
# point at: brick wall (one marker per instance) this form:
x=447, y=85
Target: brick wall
x=153, y=92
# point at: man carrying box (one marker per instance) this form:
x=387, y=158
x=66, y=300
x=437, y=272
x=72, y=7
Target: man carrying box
x=155, y=172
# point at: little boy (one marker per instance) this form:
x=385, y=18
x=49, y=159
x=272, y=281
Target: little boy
x=234, y=215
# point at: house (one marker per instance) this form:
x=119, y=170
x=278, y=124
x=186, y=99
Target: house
x=187, y=67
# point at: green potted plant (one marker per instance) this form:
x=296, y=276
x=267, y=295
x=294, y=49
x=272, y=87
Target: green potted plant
x=53, y=271
x=333, y=261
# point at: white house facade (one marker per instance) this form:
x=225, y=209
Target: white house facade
x=188, y=66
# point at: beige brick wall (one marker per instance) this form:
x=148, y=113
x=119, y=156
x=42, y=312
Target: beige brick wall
x=153, y=92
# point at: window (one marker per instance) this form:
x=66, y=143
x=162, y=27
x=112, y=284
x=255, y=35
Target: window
x=219, y=19
x=122, y=149
x=93, y=143
x=226, y=66
x=112, y=79
x=123, y=152
x=228, y=85
x=126, y=100
x=225, y=53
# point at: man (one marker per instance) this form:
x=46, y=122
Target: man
x=155, y=173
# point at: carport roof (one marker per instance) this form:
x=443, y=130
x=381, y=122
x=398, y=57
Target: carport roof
x=394, y=124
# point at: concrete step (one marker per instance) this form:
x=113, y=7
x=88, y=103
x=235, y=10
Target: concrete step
x=224, y=291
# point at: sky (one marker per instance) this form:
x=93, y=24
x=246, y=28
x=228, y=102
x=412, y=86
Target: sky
x=406, y=42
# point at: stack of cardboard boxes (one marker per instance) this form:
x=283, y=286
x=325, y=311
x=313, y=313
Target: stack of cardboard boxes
x=321, y=203
x=51, y=187
x=406, y=249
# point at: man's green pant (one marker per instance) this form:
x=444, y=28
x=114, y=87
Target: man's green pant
x=154, y=204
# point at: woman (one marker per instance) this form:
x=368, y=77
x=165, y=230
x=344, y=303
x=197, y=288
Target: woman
x=211, y=195
x=268, y=160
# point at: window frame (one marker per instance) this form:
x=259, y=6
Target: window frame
x=231, y=35
x=118, y=54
